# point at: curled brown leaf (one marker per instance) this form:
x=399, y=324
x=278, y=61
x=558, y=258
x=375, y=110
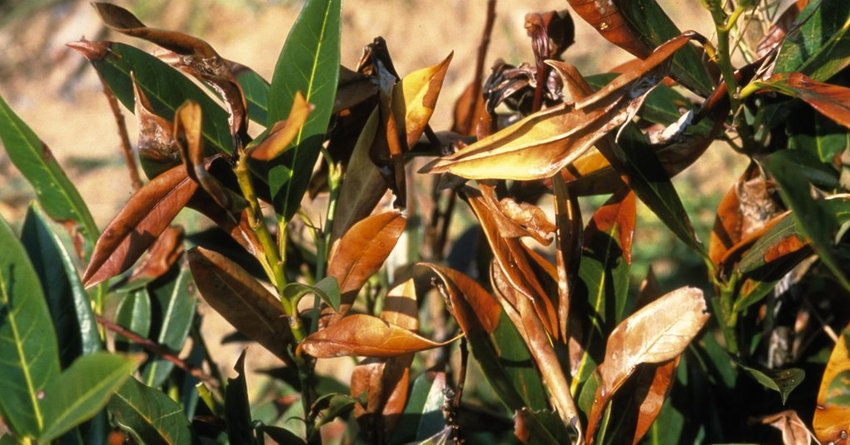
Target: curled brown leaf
x=364, y=335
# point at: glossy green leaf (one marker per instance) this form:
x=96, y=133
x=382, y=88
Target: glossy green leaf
x=149, y=415
x=256, y=90
x=174, y=311
x=782, y=381
x=327, y=289
x=655, y=28
x=814, y=218
x=56, y=193
x=237, y=410
x=165, y=87
x=309, y=63
x=652, y=184
x=28, y=347
x=820, y=47
x=422, y=416
x=133, y=313
x=824, y=137
x=83, y=390
x=69, y=305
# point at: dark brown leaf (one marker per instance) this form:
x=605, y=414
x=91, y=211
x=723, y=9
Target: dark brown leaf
x=472, y=306
x=605, y=16
x=794, y=431
x=364, y=335
x=616, y=217
x=241, y=300
x=158, y=150
x=164, y=253
x=145, y=216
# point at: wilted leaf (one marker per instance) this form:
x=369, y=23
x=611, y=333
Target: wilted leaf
x=55, y=192
x=832, y=414
x=833, y=101
x=656, y=333
x=794, y=431
x=241, y=300
x=364, y=335
x=415, y=97
x=362, y=251
x=149, y=415
x=27, y=339
x=164, y=253
x=145, y=216
x=283, y=132
x=308, y=62
x=158, y=149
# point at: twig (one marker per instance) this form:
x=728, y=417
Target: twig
x=479, y=61
x=126, y=147
x=157, y=349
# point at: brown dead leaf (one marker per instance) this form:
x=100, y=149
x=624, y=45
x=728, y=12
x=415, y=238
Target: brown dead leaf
x=831, y=421
x=242, y=301
x=158, y=150
x=605, y=17
x=833, y=101
x=164, y=253
x=364, y=335
x=472, y=306
x=617, y=217
x=362, y=251
x=794, y=431
x=283, y=132
x=656, y=333
x=136, y=226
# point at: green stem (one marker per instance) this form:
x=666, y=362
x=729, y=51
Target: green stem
x=323, y=240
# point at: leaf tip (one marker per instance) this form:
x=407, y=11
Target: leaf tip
x=92, y=51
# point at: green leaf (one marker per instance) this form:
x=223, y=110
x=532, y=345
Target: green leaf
x=327, y=289
x=309, y=63
x=164, y=86
x=256, y=90
x=54, y=190
x=237, y=409
x=652, y=185
x=28, y=347
x=148, y=415
x=69, y=305
x=782, y=381
x=655, y=28
x=82, y=390
x=330, y=406
x=175, y=303
x=813, y=217
x=134, y=314
x=822, y=136
x=820, y=47
x=422, y=415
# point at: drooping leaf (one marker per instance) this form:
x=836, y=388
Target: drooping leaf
x=364, y=335
x=149, y=415
x=362, y=251
x=27, y=339
x=284, y=132
x=158, y=150
x=56, y=193
x=813, y=217
x=820, y=46
x=165, y=87
x=308, y=62
x=174, y=309
x=830, y=100
x=161, y=257
x=607, y=19
x=656, y=333
x=241, y=300
x=69, y=305
x=782, y=381
x=832, y=414
x=82, y=390
x=145, y=216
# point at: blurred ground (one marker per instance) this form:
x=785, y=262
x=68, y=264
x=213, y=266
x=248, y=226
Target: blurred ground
x=60, y=97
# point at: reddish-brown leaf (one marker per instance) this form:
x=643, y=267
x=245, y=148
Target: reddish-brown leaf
x=656, y=333
x=158, y=150
x=604, y=15
x=794, y=431
x=617, y=217
x=472, y=306
x=241, y=300
x=148, y=212
x=831, y=421
x=362, y=251
x=833, y=101
x=364, y=335
x=568, y=256
x=167, y=249
x=283, y=132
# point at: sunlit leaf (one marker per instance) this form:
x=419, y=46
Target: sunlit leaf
x=148, y=415
x=56, y=193
x=145, y=216
x=327, y=289
x=27, y=339
x=308, y=62
x=415, y=98
x=283, y=132
x=831, y=421
x=241, y=300
x=364, y=335
x=607, y=19
x=820, y=46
